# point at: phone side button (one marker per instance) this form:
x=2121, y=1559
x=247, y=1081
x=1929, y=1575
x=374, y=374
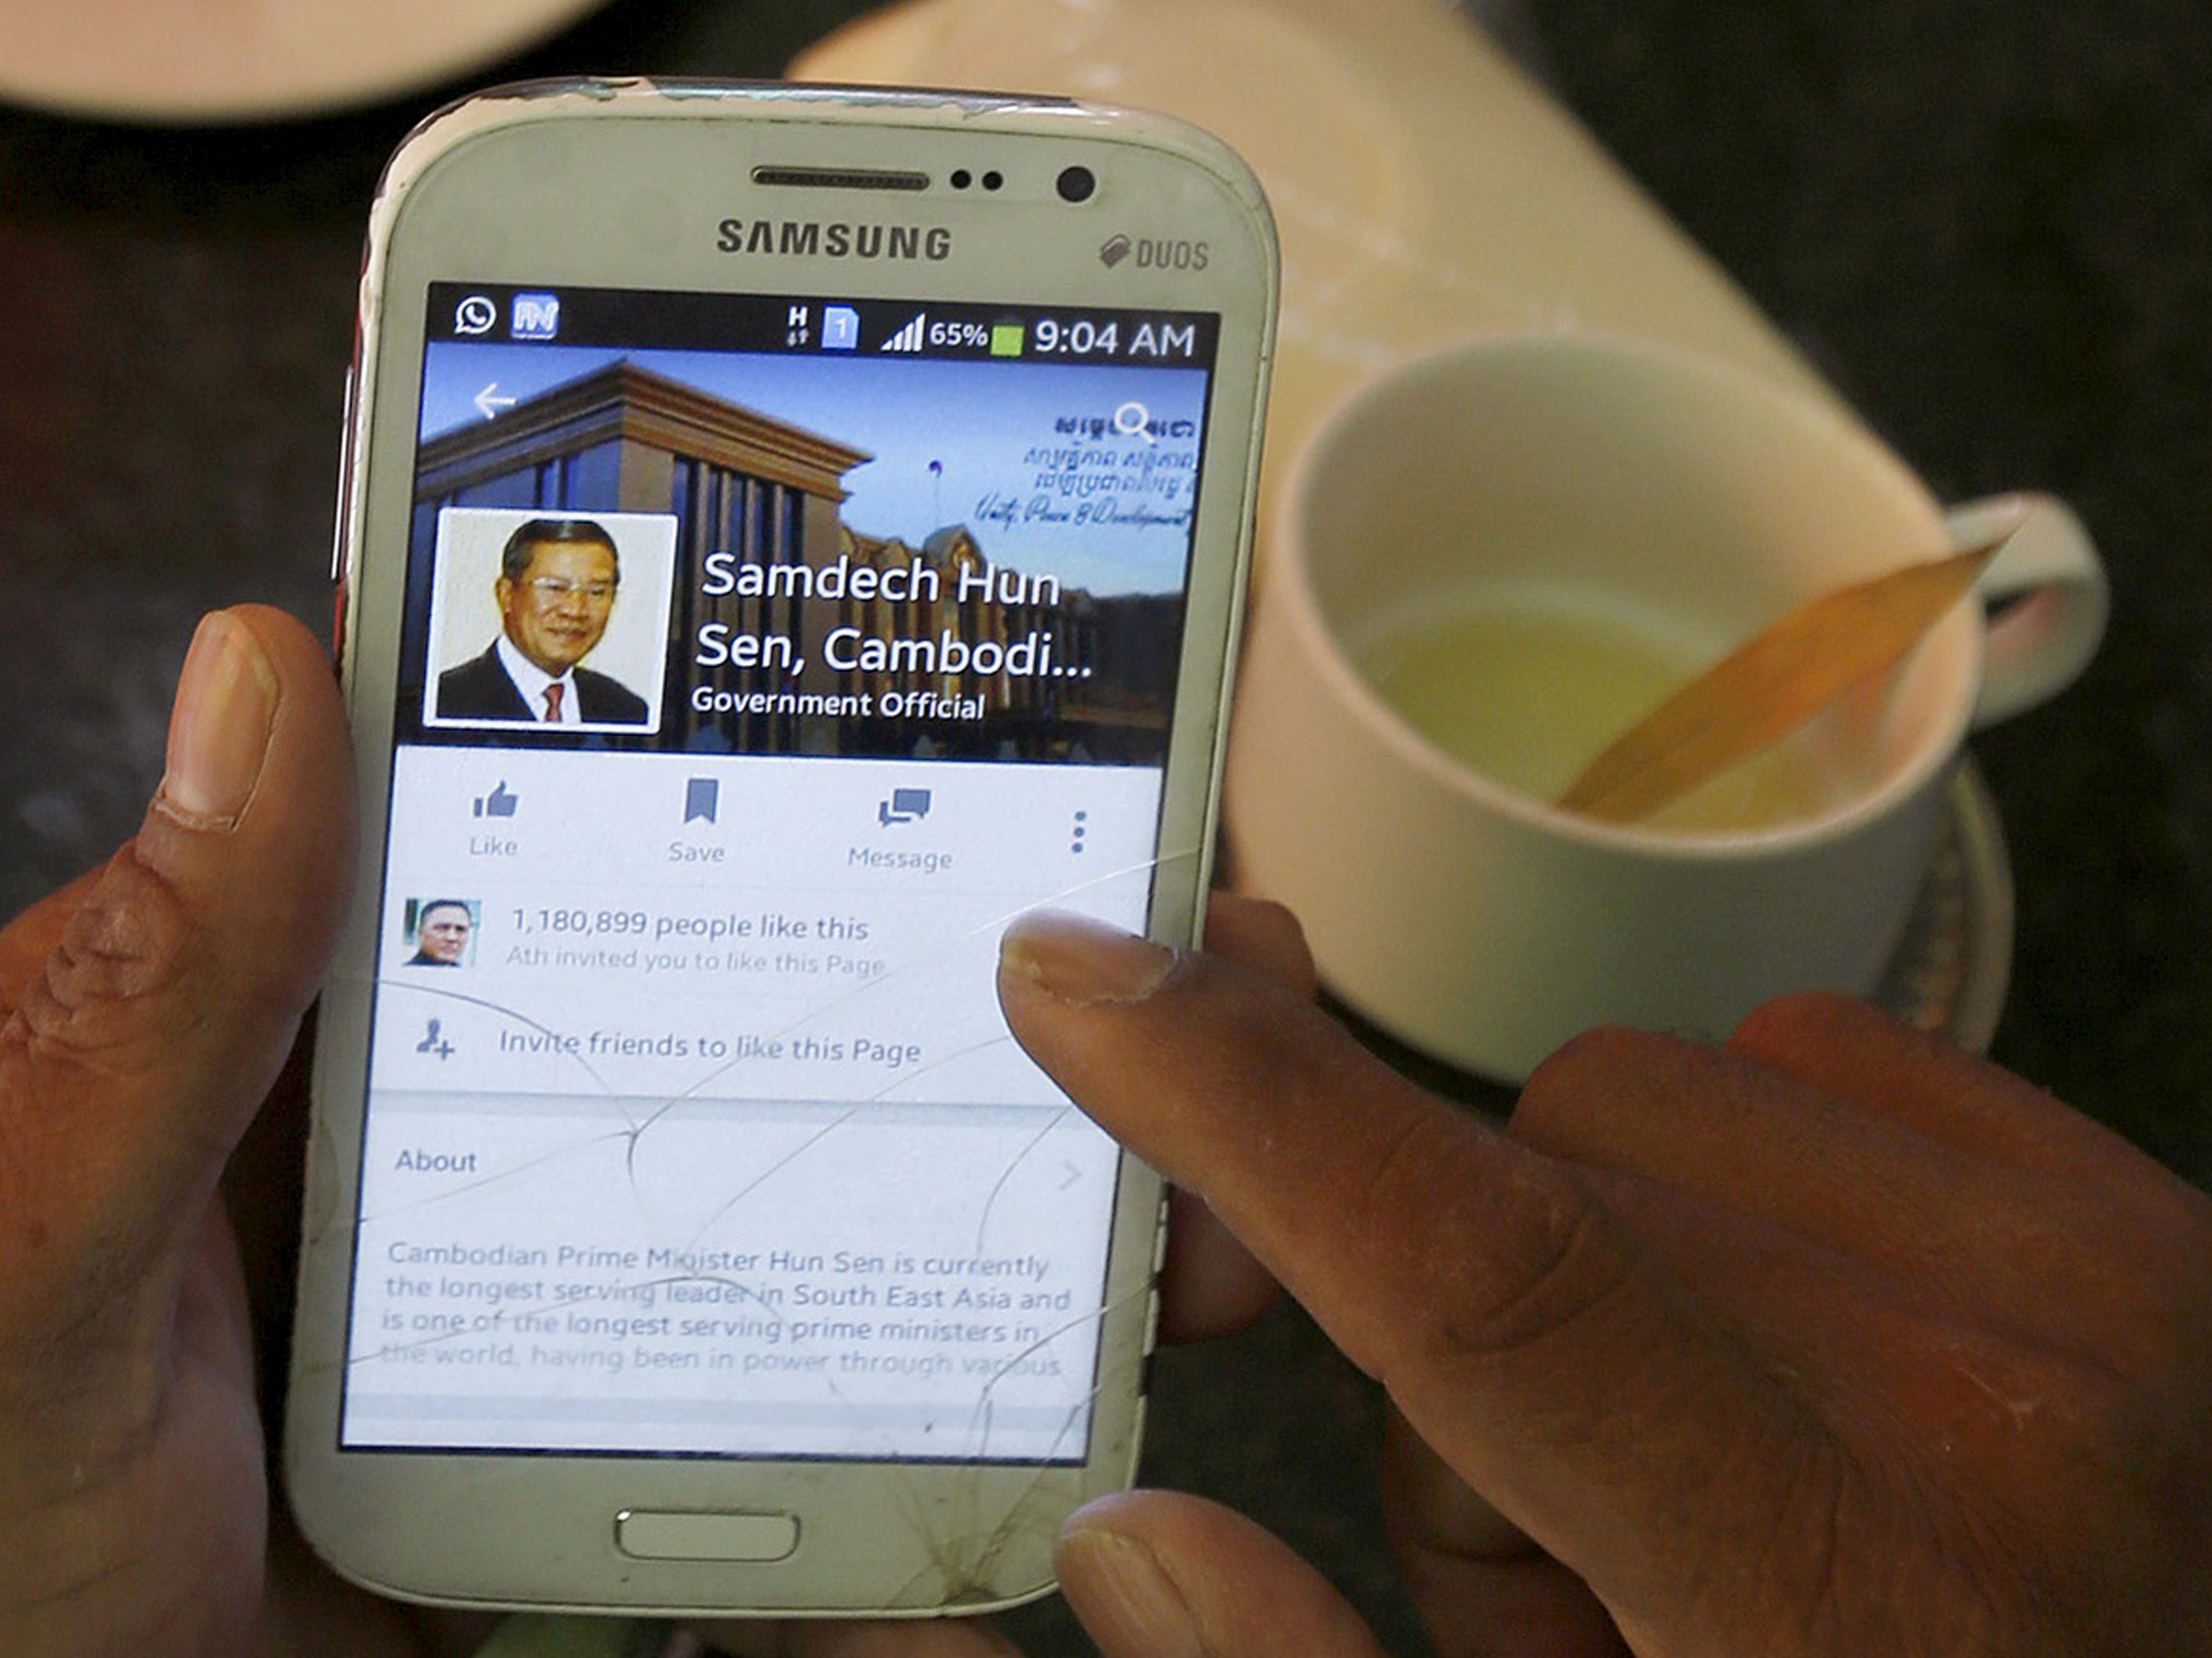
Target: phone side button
x=664, y=1535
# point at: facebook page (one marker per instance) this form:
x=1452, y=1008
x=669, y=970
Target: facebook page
x=763, y=658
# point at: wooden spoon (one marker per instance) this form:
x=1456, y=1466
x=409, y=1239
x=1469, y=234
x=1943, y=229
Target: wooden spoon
x=1767, y=687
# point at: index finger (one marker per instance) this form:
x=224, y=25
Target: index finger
x=1337, y=1172
x=1526, y=1334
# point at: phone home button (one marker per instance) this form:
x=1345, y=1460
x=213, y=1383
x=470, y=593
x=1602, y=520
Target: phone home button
x=667, y=1534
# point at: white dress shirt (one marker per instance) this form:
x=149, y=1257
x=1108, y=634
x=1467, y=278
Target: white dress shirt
x=532, y=680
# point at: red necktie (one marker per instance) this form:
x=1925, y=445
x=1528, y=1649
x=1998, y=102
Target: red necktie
x=553, y=703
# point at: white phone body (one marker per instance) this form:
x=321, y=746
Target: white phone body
x=693, y=1237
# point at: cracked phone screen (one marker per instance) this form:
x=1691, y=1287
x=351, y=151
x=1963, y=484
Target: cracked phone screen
x=762, y=656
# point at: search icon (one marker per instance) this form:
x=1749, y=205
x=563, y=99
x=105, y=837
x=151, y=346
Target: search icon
x=475, y=315
x=1134, y=420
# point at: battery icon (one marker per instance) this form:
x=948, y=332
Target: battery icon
x=1006, y=339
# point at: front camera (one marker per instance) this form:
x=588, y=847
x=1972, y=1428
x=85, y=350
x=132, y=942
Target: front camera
x=1077, y=183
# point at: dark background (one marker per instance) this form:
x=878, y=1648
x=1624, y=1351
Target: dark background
x=1991, y=227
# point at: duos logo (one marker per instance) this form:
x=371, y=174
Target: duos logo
x=1152, y=254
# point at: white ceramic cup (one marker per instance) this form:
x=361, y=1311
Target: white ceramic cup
x=1484, y=926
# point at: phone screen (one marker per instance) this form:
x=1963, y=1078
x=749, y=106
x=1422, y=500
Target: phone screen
x=762, y=656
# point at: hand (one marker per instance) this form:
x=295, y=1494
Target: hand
x=1826, y=1341
x=148, y=1007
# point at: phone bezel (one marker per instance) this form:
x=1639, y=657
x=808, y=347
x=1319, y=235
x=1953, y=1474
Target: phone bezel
x=472, y=196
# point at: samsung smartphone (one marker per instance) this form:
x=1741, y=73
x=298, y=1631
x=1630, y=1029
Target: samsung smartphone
x=788, y=532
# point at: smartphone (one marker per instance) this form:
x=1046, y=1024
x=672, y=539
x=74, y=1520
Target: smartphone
x=786, y=533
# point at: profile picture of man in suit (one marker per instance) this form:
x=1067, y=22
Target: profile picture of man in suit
x=559, y=581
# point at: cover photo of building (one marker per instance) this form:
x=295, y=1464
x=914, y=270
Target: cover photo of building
x=790, y=632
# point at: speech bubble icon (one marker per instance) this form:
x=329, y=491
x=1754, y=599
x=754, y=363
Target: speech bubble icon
x=905, y=806
x=475, y=315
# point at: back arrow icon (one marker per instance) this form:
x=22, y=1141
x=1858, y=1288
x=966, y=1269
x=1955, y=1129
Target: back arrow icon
x=489, y=402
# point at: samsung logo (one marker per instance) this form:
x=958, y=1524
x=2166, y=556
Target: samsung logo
x=810, y=238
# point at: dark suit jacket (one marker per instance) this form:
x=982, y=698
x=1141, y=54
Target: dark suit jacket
x=481, y=689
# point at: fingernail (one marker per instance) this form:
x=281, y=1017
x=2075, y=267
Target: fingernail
x=1076, y=959
x=1125, y=1596
x=219, y=727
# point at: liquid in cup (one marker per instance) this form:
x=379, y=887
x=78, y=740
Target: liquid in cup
x=1527, y=686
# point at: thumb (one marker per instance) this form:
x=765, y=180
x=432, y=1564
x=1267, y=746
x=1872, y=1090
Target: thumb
x=1157, y=1574
x=152, y=1003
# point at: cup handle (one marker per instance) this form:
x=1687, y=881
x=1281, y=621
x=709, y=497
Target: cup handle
x=2045, y=594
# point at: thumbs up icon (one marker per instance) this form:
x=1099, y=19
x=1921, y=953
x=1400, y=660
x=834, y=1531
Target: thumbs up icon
x=499, y=803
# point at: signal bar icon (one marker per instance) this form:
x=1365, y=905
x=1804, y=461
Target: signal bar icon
x=908, y=339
